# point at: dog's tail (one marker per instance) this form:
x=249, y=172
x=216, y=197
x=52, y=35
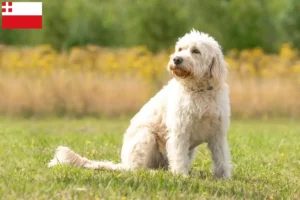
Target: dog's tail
x=64, y=155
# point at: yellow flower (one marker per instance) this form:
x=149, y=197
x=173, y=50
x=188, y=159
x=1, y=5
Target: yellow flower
x=257, y=51
x=88, y=142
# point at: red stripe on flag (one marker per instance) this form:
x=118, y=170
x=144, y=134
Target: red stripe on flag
x=22, y=22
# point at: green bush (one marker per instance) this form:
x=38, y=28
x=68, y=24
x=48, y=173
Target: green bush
x=291, y=23
x=157, y=24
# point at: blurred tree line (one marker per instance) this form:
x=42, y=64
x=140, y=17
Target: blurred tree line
x=158, y=23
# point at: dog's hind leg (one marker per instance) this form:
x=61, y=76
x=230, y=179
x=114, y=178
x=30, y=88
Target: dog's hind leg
x=140, y=150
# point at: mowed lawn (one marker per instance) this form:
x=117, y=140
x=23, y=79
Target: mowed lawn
x=265, y=157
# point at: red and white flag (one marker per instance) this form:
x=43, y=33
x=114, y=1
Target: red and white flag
x=22, y=15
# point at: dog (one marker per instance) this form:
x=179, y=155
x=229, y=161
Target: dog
x=193, y=108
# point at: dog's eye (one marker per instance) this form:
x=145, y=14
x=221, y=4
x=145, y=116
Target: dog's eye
x=196, y=51
x=179, y=49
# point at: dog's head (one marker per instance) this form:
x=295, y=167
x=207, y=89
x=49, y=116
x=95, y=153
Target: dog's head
x=198, y=56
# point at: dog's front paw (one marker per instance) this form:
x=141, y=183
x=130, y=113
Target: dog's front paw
x=224, y=173
x=182, y=172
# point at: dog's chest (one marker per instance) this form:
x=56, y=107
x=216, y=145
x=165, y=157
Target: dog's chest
x=199, y=106
x=204, y=118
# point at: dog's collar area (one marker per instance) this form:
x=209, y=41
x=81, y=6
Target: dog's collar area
x=201, y=89
x=210, y=87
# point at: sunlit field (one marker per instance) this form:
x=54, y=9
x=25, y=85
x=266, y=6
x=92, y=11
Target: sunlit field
x=79, y=80
x=265, y=157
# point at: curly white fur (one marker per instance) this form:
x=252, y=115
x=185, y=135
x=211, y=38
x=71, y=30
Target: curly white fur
x=192, y=109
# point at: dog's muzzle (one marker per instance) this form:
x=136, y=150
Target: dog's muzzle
x=177, y=60
x=177, y=68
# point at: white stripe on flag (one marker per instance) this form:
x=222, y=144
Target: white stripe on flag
x=24, y=8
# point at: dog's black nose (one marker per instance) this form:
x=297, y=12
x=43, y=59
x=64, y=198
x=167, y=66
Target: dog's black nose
x=177, y=60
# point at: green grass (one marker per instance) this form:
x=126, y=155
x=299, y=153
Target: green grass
x=265, y=154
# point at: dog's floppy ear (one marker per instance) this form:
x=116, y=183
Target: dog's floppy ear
x=218, y=68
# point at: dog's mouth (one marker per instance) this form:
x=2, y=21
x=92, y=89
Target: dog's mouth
x=179, y=71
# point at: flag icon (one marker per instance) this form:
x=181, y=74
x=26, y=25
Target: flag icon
x=22, y=15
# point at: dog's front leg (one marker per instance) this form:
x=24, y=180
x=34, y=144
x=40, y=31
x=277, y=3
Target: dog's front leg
x=221, y=156
x=178, y=153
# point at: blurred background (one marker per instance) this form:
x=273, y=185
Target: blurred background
x=107, y=58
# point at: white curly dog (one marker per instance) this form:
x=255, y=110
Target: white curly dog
x=192, y=109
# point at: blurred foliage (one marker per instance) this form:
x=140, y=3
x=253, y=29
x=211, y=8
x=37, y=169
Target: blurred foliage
x=157, y=24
